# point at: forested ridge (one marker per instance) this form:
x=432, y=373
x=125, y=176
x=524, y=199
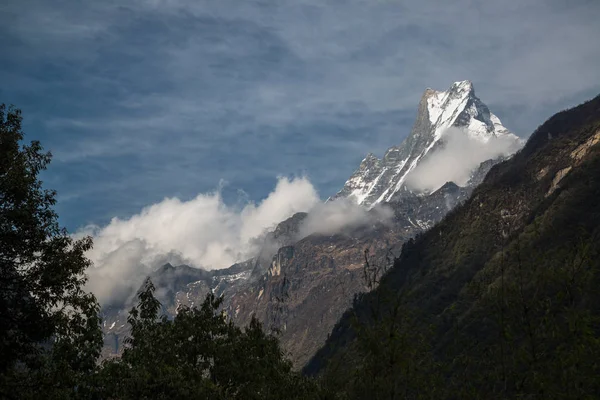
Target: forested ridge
x=499, y=300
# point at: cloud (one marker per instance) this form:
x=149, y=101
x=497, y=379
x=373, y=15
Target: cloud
x=342, y=215
x=141, y=100
x=456, y=159
x=202, y=232
x=206, y=233
x=215, y=86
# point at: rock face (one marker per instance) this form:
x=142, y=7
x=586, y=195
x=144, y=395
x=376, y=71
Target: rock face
x=299, y=287
x=175, y=286
x=310, y=284
x=379, y=180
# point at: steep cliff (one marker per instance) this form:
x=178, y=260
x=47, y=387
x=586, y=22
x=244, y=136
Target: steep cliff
x=379, y=180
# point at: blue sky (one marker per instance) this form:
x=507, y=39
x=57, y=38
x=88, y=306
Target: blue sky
x=142, y=100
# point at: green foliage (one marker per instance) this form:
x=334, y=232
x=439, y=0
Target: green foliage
x=391, y=357
x=199, y=354
x=395, y=359
x=49, y=326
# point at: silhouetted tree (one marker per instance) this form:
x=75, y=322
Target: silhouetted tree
x=199, y=354
x=49, y=326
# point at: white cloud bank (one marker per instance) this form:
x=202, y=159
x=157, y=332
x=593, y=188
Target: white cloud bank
x=458, y=158
x=206, y=233
x=202, y=232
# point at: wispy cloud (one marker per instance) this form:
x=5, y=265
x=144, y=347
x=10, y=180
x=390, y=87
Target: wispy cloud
x=457, y=157
x=342, y=216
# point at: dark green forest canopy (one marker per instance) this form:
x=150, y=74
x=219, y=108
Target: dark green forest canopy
x=498, y=300
x=199, y=354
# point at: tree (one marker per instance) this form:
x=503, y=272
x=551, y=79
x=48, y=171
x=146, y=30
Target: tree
x=199, y=354
x=48, y=324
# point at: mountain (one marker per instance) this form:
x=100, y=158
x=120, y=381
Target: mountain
x=500, y=299
x=379, y=180
x=299, y=285
x=175, y=285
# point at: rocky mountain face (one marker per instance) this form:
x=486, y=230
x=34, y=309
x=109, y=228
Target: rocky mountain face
x=379, y=180
x=184, y=285
x=503, y=278
x=310, y=283
x=299, y=287
x=175, y=286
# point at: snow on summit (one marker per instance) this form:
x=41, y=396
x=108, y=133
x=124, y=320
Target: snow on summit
x=381, y=180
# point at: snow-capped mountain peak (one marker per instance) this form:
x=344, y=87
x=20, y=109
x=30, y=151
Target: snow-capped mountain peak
x=379, y=180
x=442, y=106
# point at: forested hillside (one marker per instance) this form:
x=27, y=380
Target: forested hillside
x=498, y=300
